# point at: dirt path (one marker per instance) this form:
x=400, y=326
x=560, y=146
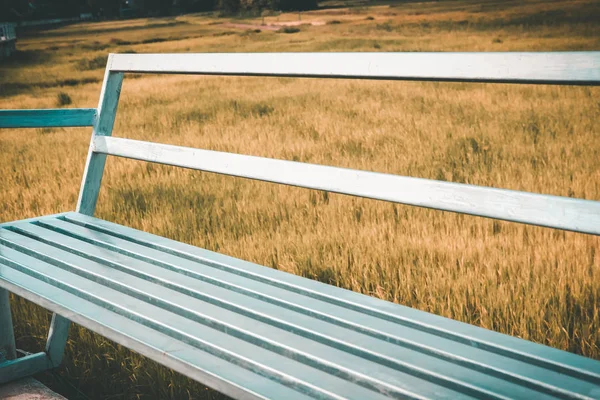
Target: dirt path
x=296, y=23
x=274, y=26
x=251, y=26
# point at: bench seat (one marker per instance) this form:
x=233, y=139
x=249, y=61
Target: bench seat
x=254, y=332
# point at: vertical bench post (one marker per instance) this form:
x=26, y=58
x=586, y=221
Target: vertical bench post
x=57, y=339
x=7, y=336
x=103, y=126
x=90, y=188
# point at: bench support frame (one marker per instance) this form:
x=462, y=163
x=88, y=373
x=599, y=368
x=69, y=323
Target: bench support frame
x=11, y=367
x=7, y=337
x=574, y=68
x=103, y=126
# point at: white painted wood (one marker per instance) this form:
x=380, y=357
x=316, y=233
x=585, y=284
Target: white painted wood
x=94, y=166
x=540, y=67
x=530, y=208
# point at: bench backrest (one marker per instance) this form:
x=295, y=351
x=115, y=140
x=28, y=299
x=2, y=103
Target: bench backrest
x=562, y=68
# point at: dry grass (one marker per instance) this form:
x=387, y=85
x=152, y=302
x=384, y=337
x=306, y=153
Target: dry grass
x=538, y=284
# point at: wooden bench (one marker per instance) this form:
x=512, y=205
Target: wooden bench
x=254, y=332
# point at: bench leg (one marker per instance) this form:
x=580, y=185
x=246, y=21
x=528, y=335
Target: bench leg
x=57, y=339
x=7, y=336
x=11, y=367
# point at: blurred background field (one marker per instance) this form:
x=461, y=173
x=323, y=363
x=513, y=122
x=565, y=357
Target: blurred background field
x=539, y=284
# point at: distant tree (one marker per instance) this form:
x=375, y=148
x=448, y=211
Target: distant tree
x=161, y=7
x=230, y=6
x=11, y=10
x=197, y=5
x=233, y=6
x=294, y=5
x=17, y=10
x=65, y=8
x=105, y=8
x=259, y=5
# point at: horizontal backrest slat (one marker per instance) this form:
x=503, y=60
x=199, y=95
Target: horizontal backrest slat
x=563, y=68
x=70, y=117
x=536, y=209
x=576, y=68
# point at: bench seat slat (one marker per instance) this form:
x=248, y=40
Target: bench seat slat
x=177, y=317
x=239, y=352
x=383, y=315
x=346, y=346
x=339, y=334
x=213, y=371
x=308, y=337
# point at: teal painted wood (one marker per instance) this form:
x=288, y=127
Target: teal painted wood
x=57, y=339
x=301, y=336
x=32, y=364
x=12, y=368
x=320, y=331
x=63, y=117
x=225, y=377
x=24, y=366
x=7, y=338
x=94, y=166
x=42, y=218
x=465, y=333
x=253, y=280
x=250, y=331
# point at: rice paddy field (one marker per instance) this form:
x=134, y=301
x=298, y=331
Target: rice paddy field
x=535, y=283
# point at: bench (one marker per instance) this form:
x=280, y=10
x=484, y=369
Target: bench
x=254, y=332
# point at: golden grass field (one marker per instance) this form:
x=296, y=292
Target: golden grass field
x=535, y=283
